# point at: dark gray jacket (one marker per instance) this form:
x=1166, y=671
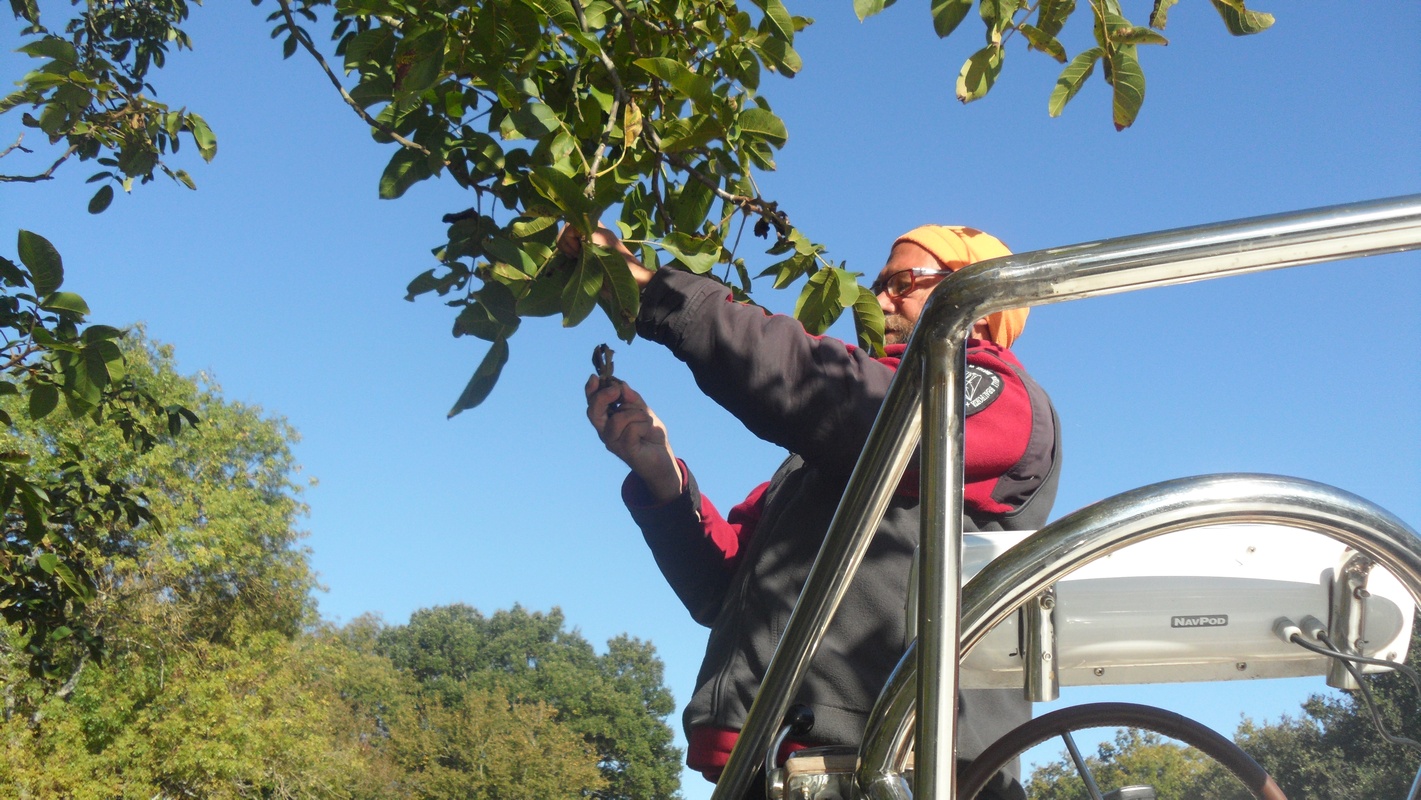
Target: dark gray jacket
x=741, y=575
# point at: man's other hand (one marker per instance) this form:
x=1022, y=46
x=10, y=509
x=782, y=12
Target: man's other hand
x=634, y=434
x=570, y=245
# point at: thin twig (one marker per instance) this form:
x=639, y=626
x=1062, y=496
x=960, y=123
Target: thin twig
x=20, y=357
x=43, y=176
x=750, y=205
x=619, y=99
x=16, y=146
x=335, y=81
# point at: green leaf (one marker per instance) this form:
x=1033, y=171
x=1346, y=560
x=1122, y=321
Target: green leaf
x=1129, y=86
x=491, y=316
x=579, y=294
x=1239, y=20
x=185, y=179
x=47, y=562
x=821, y=301
x=52, y=47
x=66, y=302
x=948, y=14
x=789, y=270
x=679, y=77
x=73, y=584
x=561, y=191
x=1133, y=35
x=1159, y=17
x=534, y=121
x=27, y=10
x=690, y=206
x=624, y=299
x=406, y=168
x=763, y=122
x=101, y=199
x=867, y=8
x=426, y=54
x=1051, y=15
x=45, y=265
x=484, y=378
x=110, y=356
x=777, y=19
x=979, y=73
x=1072, y=78
x=202, y=135
x=779, y=55
x=12, y=273
x=997, y=14
x=1039, y=40
x=868, y=321
x=523, y=227
x=697, y=254
x=99, y=333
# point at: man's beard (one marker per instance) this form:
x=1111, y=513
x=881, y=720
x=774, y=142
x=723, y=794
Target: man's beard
x=896, y=329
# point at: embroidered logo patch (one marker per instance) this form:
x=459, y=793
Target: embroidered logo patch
x=983, y=386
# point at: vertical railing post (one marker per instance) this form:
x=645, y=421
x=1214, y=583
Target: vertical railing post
x=940, y=568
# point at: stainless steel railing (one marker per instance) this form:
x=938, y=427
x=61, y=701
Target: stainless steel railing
x=926, y=397
x=1097, y=530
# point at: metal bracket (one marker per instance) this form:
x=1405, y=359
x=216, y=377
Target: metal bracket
x=1348, y=618
x=1038, y=652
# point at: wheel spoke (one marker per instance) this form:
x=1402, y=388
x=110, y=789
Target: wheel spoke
x=1081, y=766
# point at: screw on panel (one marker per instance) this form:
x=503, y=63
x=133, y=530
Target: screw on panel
x=1099, y=671
x=1241, y=666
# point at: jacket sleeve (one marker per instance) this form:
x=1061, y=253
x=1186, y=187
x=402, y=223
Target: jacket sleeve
x=696, y=549
x=815, y=396
x=818, y=397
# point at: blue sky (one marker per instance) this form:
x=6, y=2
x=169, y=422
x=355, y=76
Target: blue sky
x=283, y=277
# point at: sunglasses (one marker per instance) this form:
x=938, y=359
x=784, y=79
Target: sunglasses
x=904, y=281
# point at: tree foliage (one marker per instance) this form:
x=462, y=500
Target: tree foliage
x=93, y=97
x=559, y=111
x=1133, y=758
x=65, y=511
x=615, y=703
x=218, y=682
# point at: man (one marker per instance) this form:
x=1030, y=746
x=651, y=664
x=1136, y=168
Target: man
x=741, y=573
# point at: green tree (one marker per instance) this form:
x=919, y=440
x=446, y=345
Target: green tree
x=615, y=702
x=63, y=508
x=1135, y=757
x=208, y=690
x=1334, y=749
x=483, y=747
x=554, y=111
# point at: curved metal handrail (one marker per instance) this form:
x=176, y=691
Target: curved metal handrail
x=1097, y=530
x=931, y=378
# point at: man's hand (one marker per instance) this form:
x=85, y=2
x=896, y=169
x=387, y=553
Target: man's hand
x=635, y=435
x=570, y=244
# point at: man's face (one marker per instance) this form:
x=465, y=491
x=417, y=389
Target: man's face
x=901, y=311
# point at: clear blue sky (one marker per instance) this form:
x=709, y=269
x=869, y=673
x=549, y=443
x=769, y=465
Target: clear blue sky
x=283, y=277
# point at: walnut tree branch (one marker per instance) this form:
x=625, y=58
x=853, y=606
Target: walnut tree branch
x=619, y=100
x=310, y=47
x=43, y=176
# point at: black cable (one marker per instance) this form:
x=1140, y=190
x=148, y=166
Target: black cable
x=1345, y=657
x=1331, y=651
